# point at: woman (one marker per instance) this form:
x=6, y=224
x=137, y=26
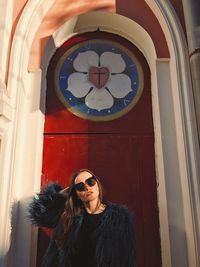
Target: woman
x=88, y=231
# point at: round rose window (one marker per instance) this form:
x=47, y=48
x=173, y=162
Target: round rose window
x=99, y=80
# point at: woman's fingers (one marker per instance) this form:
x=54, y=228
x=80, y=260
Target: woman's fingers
x=64, y=191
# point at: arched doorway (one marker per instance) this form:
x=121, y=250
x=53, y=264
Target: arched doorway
x=120, y=151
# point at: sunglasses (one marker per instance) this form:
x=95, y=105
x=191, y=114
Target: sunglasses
x=91, y=181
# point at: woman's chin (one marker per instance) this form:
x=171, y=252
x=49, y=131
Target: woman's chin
x=90, y=198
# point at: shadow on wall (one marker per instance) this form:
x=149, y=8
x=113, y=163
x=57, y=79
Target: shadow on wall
x=21, y=229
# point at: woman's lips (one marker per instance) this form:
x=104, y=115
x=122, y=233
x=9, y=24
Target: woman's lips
x=89, y=193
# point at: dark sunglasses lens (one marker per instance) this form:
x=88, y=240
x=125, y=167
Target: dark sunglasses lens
x=91, y=181
x=80, y=187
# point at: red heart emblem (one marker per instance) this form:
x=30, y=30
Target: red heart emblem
x=99, y=76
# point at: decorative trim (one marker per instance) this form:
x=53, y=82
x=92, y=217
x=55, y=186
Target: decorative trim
x=187, y=138
x=5, y=108
x=5, y=33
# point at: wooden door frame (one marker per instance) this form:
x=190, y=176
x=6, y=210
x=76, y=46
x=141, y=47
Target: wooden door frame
x=177, y=170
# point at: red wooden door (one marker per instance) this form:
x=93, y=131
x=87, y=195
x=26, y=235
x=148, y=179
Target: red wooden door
x=120, y=152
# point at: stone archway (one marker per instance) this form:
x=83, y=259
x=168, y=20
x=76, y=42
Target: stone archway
x=176, y=171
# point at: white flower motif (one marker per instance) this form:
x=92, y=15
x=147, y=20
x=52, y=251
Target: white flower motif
x=99, y=79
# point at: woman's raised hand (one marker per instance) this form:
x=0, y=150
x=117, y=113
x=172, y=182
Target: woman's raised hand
x=64, y=191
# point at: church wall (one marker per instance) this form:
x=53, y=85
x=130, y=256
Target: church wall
x=130, y=9
x=60, y=12
x=140, y=12
x=19, y=109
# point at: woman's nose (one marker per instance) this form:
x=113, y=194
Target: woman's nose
x=86, y=187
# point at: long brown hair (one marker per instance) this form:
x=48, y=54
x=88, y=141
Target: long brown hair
x=73, y=205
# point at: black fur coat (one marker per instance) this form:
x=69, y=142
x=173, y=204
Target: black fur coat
x=115, y=246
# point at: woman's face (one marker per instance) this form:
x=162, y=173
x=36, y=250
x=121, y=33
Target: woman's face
x=90, y=193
